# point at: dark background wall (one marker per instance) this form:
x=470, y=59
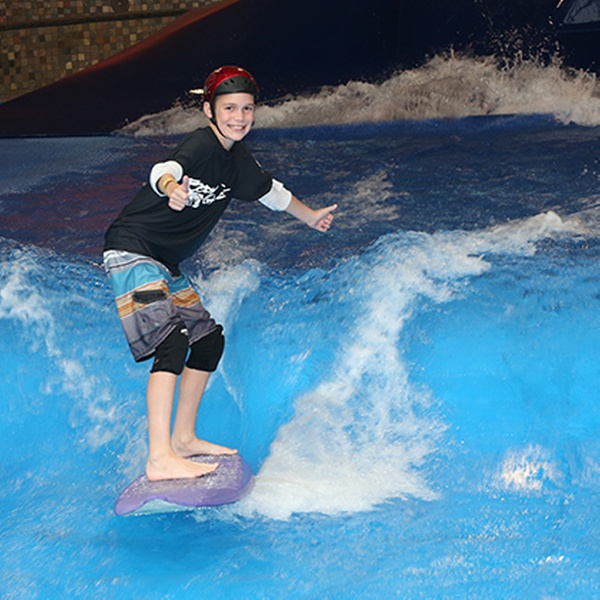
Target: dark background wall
x=41, y=42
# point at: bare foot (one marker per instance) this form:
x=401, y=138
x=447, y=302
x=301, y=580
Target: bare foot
x=195, y=446
x=173, y=466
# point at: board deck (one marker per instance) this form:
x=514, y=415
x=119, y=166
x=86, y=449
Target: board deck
x=231, y=481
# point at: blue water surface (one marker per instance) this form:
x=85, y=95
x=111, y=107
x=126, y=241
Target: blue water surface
x=416, y=391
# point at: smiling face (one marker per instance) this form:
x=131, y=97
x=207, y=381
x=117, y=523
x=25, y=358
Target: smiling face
x=232, y=117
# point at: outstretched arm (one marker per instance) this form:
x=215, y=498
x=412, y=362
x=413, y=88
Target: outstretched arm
x=317, y=219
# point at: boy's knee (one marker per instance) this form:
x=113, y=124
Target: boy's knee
x=207, y=351
x=170, y=354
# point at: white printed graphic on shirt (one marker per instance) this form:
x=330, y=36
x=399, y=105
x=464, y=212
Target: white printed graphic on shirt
x=201, y=193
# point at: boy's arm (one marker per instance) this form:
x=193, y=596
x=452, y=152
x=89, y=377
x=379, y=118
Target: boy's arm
x=317, y=219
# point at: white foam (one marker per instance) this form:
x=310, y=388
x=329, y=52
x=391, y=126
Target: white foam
x=18, y=299
x=447, y=86
x=527, y=470
x=28, y=299
x=365, y=433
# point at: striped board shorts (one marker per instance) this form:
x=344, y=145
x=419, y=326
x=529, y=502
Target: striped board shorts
x=151, y=302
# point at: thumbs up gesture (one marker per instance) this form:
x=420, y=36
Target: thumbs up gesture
x=179, y=194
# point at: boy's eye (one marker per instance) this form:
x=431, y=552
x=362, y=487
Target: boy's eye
x=232, y=107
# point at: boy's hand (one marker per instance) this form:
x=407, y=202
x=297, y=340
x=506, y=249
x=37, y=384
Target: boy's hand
x=179, y=195
x=322, y=218
x=319, y=219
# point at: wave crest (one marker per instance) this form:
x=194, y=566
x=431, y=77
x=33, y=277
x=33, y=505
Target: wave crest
x=447, y=86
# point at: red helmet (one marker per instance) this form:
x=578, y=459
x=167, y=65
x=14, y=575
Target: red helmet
x=229, y=80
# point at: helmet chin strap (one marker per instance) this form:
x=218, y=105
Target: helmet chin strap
x=213, y=118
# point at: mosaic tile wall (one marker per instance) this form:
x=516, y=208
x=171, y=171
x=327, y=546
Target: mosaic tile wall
x=41, y=42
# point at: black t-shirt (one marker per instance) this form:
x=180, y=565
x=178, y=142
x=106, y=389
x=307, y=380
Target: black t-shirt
x=148, y=226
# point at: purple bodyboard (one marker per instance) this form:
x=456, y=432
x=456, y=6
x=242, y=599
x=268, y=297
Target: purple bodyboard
x=231, y=481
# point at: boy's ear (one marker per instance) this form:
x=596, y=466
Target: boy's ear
x=207, y=110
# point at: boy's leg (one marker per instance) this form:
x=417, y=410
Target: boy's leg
x=185, y=442
x=163, y=461
x=142, y=290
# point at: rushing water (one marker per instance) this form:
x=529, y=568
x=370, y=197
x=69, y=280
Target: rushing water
x=416, y=391
x=449, y=86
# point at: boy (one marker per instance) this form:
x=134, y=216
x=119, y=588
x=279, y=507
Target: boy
x=166, y=222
